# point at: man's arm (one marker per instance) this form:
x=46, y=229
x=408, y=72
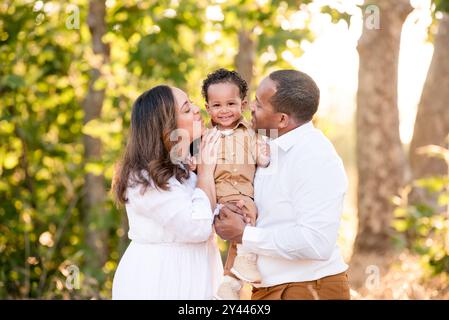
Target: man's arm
x=318, y=203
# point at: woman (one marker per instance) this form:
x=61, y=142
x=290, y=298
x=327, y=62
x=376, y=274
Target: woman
x=172, y=254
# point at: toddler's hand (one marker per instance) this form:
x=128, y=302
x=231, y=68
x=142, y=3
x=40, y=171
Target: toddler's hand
x=263, y=153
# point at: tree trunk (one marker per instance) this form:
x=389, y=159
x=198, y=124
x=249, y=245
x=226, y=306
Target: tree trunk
x=380, y=156
x=244, y=60
x=432, y=119
x=94, y=187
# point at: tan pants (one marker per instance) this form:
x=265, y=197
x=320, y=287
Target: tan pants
x=250, y=210
x=335, y=287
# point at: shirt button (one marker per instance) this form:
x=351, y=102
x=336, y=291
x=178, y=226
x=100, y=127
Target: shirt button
x=235, y=183
x=235, y=170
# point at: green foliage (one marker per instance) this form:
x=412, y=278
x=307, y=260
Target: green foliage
x=441, y=5
x=269, y=24
x=438, y=7
x=336, y=15
x=423, y=225
x=43, y=81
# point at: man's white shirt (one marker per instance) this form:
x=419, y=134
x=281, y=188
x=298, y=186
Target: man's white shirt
x=299, y=197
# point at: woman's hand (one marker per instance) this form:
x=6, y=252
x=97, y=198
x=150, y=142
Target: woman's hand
x=209, y=152
x=191, y=162
x=207, y=162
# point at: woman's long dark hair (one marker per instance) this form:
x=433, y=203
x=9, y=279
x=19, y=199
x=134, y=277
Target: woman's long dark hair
x=146, y=159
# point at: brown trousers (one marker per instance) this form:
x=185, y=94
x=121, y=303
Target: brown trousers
x=250, y=210
x=335, y=287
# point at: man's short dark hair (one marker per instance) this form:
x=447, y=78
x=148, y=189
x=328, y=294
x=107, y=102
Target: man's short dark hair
x=296, y=94
x=222, y=76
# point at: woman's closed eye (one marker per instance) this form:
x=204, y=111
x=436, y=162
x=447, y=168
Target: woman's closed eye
x=187, y=106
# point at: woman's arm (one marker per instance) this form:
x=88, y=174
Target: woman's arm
x=187, y=216
x=207, y=163
x=207, y=184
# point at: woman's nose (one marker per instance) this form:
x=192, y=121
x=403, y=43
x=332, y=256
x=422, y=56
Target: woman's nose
x=196, y=109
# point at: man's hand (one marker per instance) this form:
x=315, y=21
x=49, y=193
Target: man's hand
x=230, y=223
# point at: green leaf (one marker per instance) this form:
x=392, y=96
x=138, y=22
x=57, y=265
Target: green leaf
x=400, y=212
x=94, y=168
x=424, y=210
x=432, y=184
x=400, y=225
x=441, y=5
x=443, y=199
x=12, y=81
x=11, y=160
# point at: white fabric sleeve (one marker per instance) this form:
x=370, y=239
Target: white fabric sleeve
x=187, y=216
x=318, y=203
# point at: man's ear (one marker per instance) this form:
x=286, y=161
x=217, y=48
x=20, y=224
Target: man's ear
x=284, y=121
x=244, y=104
x=207, y=106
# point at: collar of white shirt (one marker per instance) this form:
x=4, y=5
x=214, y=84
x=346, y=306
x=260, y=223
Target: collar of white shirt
x=287, y=140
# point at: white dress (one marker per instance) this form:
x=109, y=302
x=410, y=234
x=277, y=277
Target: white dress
x=173, y=252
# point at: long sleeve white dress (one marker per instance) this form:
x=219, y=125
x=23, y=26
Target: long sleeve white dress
x=173, y=252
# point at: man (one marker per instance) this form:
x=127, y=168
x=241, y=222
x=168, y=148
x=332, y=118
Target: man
x=299, y=198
